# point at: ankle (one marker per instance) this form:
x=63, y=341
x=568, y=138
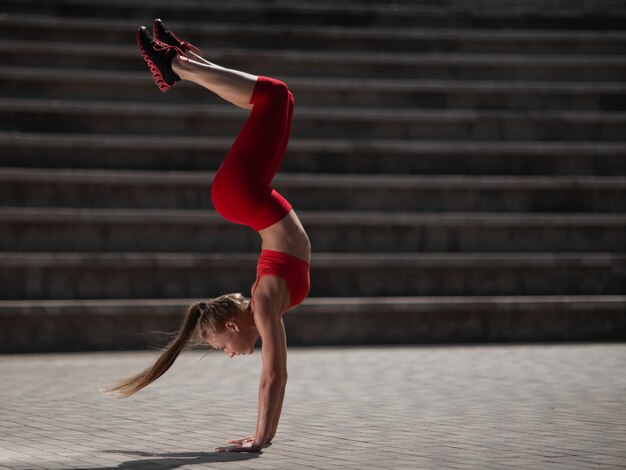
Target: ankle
x=181, y=67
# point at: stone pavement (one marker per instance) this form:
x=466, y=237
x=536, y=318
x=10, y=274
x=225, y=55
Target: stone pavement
x=484, y=407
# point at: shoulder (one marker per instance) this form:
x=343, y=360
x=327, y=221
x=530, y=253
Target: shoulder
x=271, y=296
x=268, y=316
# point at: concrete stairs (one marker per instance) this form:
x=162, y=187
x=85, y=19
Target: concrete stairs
x=460, y=169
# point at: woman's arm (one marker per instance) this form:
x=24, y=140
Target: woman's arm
x=269, y=323
x=277, y=414
x=271, y=328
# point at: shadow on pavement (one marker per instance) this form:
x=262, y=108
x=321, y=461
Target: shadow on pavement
x=173, y=460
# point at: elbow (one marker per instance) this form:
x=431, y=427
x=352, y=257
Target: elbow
x=275, y=377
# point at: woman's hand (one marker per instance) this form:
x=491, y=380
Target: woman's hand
x=244, y=444
x=242, y=441
x=247, y=446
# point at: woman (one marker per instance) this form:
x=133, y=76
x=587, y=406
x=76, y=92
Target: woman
x=241, y=193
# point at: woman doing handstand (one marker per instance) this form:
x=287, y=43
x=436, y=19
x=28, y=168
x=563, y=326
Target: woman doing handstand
x=241, y=193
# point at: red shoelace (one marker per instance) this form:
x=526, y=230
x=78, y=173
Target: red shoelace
x=161, y=46
x=185, y=45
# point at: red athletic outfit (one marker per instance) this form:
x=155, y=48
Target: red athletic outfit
x=294, y=271
x=242, y=191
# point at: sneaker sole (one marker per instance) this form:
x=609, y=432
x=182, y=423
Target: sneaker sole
x=156, y=73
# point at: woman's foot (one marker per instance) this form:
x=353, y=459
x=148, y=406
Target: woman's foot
x=169, y=38
x=158, y=56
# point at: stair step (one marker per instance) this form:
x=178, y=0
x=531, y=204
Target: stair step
x=79, y=325
x=329, y=13
x=468, y=66
x=114, y=230
x=486, y=203
x=413, y=38
x=25, y=149
x=484, y=6
x=22, y=82
x=169, y=275
x=150, y=118
x=29, y=187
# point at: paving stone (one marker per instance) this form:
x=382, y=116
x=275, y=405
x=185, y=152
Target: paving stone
x=523, y=406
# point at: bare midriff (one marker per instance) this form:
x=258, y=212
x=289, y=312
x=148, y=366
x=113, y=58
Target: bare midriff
x=288, y=236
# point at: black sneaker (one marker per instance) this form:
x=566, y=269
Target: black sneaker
x=159, y=57
x=169, y=38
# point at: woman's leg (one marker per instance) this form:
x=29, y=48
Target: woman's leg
x=199, y=58
x=242, y=190
x=232, y=85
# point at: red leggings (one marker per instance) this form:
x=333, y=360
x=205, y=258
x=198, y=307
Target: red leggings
x=242, y=191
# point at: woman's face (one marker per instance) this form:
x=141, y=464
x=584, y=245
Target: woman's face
x=238, y=336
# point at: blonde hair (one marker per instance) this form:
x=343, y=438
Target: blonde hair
x=201, y=318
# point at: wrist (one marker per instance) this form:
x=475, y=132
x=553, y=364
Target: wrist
x=262, y=443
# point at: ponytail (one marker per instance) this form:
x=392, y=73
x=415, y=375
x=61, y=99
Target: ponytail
x=200, y=319
x=192, y=320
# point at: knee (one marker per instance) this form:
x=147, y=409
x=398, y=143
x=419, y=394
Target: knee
x=226, y=196
x=280, y=90
x=283, y=93
x=272, y=90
